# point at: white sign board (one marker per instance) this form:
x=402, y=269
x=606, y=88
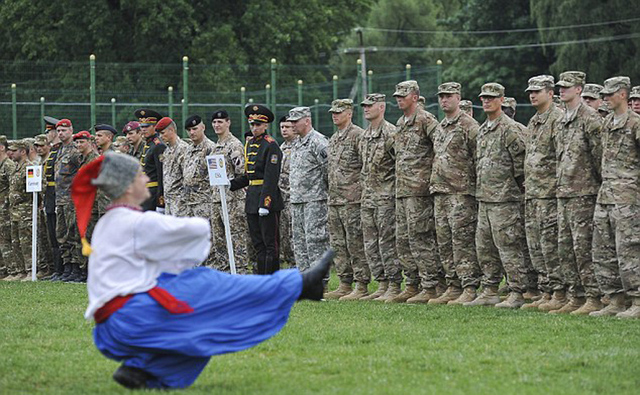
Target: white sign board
x=34, y=179
x=216, y=166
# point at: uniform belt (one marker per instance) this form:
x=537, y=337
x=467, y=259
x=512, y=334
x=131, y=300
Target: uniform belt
x=152, y=184
x=51, y=184
x=256, y=182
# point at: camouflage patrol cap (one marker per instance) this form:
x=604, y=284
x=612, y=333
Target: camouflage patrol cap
x=592, y=91
x=29, y=141
x=340, y=105
x=422, y=100
x=297, y=113
x=571, y=78
x=635, y=92
x=465, y=105
x=373, y=98
x=15, y=145
x=450, y=87
x=604, y=108
x=3, y=139
x=613, y=84
x=492, y=89
x=510, y=102
x=41, y=140
x=120, y=140
x=540, y=82
x=406, y=87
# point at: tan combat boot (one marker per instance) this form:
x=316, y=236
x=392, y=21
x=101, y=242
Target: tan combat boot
x=359, y=292
x=424, y=296
x=573, y=304
x=532, y=295
x=343, y=289
x=452, y=293
x=558, y=300
x=514, y=301
x=633, y=311
x=546, y=296
x=504, y=290
x=488, y=297
x=409, y=292
x=592, y=304
x=393, y=291
x=382, y=288
x=616, y=306
x=468, y=295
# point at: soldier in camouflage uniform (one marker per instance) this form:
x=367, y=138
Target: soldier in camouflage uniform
x=172, y=166
x=453, y=181
x=232, y=149
x=198, y=193
x=345, y=191
x=500, y=237
x=467, y=107
x=134, y=136
x=309, y=190
x=591, y=95
x=579, y=152
x=541, y=206
x=286, y=242
x=7, y=168
x=378, y=199
x=616, y=234
x=415, y=224
x=20, y=202
x=634, y=97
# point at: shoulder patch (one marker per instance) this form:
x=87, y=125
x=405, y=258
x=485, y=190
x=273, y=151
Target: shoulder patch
x=269, y=138
x=274, y=159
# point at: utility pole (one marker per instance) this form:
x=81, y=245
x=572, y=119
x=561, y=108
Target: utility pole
x=363, y=62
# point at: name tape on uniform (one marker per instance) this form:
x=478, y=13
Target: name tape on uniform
x=217, y=168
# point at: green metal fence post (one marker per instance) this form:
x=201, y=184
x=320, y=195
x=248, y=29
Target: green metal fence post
x=185, y=88
x=299, y=92
x=274, y=105
x=42, y=113
x=360, y=90
x=267, y=94
x=370, y=80
x=335, y=87
x=243, y=124
x=14, y=110
x=439, y=80
x=170, y=101
x=316, y=112
x=407, y=70
x=92, y=87
x=113, y=111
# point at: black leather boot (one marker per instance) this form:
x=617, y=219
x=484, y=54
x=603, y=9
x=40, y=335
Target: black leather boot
x=75, y=273
x=132, y=378
x=312, y=279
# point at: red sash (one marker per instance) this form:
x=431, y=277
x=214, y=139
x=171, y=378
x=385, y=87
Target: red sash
x=160, y=295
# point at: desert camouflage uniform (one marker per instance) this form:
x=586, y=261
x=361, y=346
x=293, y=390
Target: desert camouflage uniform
x=233, y=152
x=500, y=237
x=21, y=217
x=345, y=191
x=453, y=184
x=198, y=193
x=378, y=202
x=616, y=235
x=286, y=242
x=172, y=174
x=541, y=206
x=415, y=224
x=66, y=166
x=309, y=193
x=7, y=168
x=579, y=152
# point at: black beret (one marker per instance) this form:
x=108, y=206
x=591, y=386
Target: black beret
x=104, y=126
x=283, y=119
x=220, y=114
x=192, y=121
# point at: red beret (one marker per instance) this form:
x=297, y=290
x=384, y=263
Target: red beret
x=163, y=123
x=64, y=123
x=131, y=125
x=81, y=135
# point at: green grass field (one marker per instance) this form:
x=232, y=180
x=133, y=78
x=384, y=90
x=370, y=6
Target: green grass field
x=339, y=348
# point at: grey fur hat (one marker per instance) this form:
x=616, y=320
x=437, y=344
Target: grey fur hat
x=117, y=172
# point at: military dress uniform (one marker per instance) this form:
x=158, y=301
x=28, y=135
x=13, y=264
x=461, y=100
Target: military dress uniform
x=263, y=204
x=50, y=208
x=151, y=161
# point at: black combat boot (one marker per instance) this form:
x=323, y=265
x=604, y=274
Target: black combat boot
x=313, y=279
x=75, y=272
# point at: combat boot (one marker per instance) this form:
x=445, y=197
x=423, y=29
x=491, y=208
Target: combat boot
x=514, y=301
x=633, y=311
x=468, y=295
x=452, y=293
x=10, y=277
x=616, y=306
x=26, y=277
x=488, y=297
x=573, y=304
x=392, y=291
x=558, y=300
x=546, y=296
x=409, y=292
x=66, y=272
x=592, y=304
x=343, y=290
x=424, y=296
x=504, y=290
x=532, y=294
x=75, y=275
x=359, y=292
x=382, y=288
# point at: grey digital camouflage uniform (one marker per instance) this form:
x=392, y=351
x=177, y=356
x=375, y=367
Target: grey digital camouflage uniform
x=378, y=202
x=309, y=192
x=345, y=191
x=541, y=206
x=616, y=236
x=7, y=168
x=579, y=152
x=415, y=224
x=286, y=242
x=173, y=162
x=500, y=237
x=453, y=184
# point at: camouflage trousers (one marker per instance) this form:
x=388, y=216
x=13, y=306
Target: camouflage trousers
x=21, y=220
x=45, y=252
x=345, y=231
x=205, y=210
x=500, y=245
x=309, y=231
x=239, y=237
x=616, y=248
x=379, y=233
x=416, y=241
x=67, y=235
x=575, y=238
x=6, y=247
x=541, y=226
x=286, y=243
x=456, y=217
x=173, y=206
